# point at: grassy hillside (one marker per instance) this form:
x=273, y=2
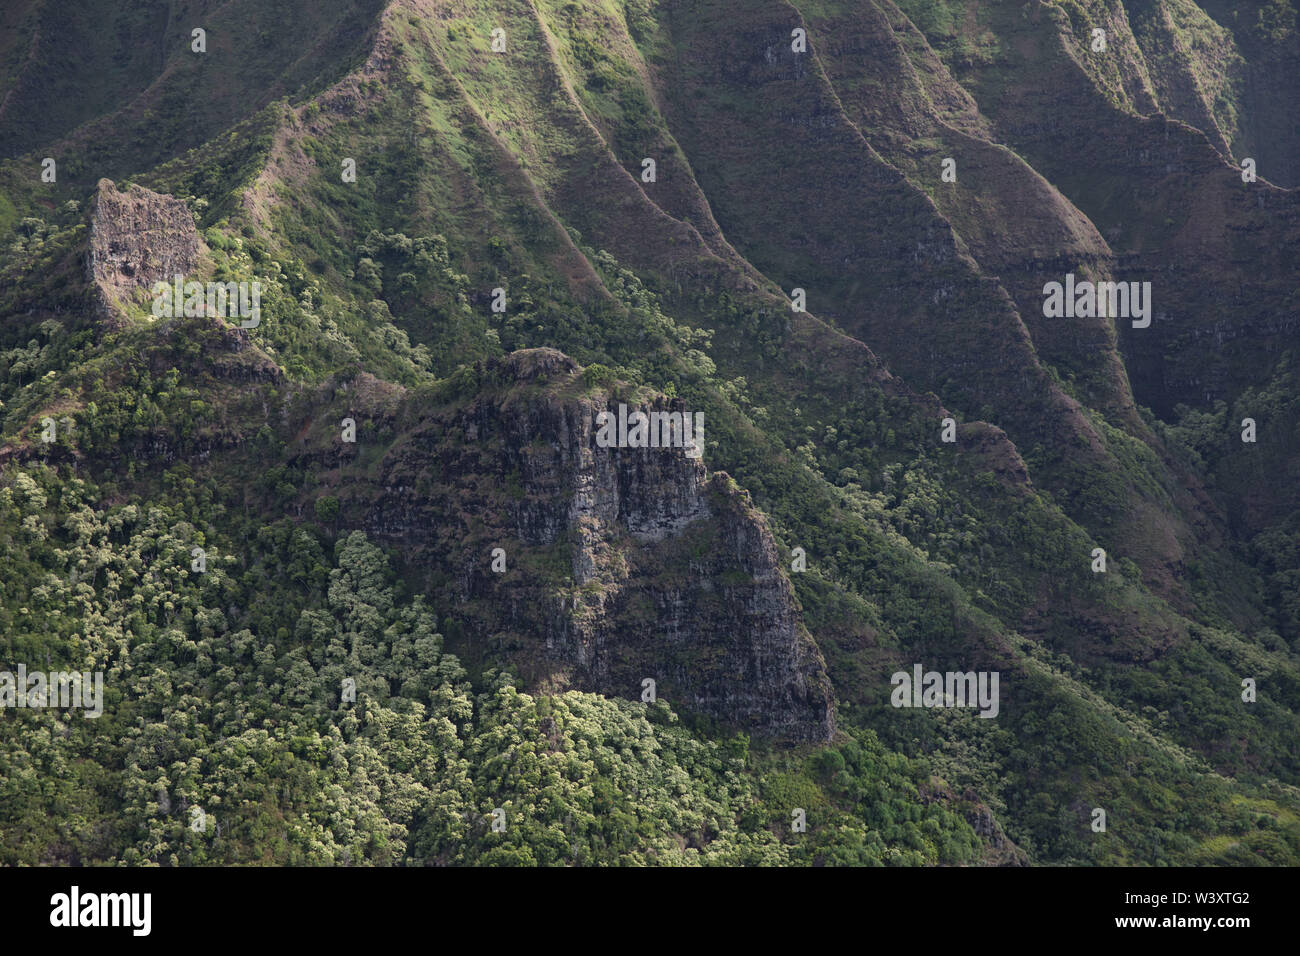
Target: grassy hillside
x=484, y=177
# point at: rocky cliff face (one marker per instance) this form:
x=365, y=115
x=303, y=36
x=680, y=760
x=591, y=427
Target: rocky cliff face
x=137, y=237
x=616, y=565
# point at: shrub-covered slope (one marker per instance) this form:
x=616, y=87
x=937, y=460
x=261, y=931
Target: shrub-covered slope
x=502, y=266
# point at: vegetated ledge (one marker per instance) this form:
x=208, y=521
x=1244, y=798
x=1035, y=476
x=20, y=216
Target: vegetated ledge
x=620, y=564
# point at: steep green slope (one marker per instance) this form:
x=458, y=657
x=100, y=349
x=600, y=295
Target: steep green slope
x=522, y=172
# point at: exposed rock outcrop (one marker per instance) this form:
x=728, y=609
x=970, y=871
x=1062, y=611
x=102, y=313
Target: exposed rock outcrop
x=620, y=564
x=137, y=237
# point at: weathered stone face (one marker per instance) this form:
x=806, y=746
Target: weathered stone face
x=138, y=237
x=621, y=563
